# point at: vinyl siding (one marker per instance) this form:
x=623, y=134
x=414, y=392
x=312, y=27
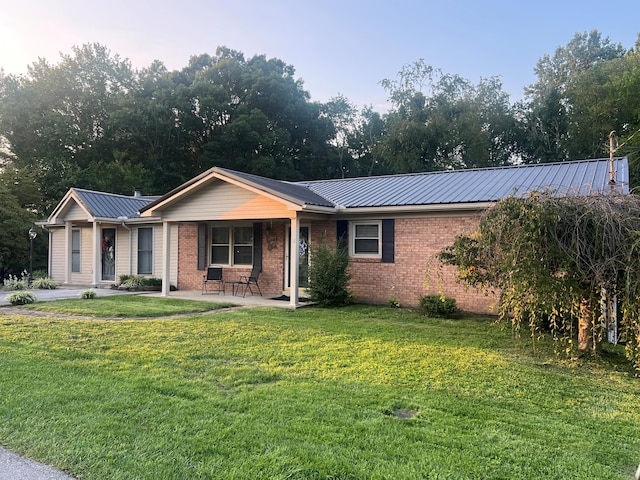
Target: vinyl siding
x=58, y=266
x=223, y=201
x=85, y=276
x=75, y=212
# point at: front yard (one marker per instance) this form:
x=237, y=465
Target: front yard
x=353, y=393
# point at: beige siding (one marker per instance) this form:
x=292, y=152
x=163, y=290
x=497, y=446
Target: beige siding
x=58, y=266
x=85, y=276
x=156, y=269
x=75, y=212
x=224, y=201
x=123, y=252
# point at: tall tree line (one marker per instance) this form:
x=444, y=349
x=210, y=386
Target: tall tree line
x=92, y=121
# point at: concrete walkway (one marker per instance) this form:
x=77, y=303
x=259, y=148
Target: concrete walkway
x=15, y=467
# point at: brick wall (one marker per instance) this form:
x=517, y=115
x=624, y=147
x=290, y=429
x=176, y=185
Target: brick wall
x=271, y=278
x=415, y=271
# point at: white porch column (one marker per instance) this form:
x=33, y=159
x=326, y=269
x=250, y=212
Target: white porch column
x=97, y=252
x=67, y=251
x=166, y=259
x=294, y=261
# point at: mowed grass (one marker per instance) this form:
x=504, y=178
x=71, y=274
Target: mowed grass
x=310, y=394
x=125, y=306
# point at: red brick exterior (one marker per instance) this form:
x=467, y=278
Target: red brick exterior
x=413, y=273
x=271, y=278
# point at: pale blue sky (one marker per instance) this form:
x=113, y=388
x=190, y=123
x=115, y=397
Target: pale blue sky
x=345, y=46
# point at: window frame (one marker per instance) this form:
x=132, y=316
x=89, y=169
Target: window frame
x=76, y=253
x=353, y=227
x=146, y=252
x=231, y=245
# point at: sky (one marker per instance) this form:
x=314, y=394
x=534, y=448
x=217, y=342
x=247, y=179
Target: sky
x=337, y=47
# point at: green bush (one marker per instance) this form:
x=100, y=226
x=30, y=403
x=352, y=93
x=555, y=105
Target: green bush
x=328, y=276
x=15, y=283
x=88, y=294
x=153, y=282
x=134, y=281
x=44, y=283
x=438, y=306
x=21, y=298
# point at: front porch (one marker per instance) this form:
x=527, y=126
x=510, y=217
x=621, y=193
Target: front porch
x=247, y=301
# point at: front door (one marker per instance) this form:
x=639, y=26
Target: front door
x=109, y=254
x=303, y=258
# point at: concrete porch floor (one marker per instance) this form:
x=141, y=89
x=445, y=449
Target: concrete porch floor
x=247, y=301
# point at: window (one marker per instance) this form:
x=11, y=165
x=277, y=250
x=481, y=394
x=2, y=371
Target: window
x=75, y=250
x=145, y=251
x=232, y=245
x=366, y=239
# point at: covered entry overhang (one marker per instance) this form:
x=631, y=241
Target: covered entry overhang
x=219, y=195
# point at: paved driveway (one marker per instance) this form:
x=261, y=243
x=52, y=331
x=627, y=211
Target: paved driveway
x=60, y=293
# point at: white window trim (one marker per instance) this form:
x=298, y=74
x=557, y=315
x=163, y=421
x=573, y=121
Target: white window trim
x=352, y=239
x=231, y=244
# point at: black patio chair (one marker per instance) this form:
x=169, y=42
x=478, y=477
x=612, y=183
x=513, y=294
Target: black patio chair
x=213, y=279
x=246, y=281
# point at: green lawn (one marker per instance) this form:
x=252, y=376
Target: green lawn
x=310, y=394
x=125, y=306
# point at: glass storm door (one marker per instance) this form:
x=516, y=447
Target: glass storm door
x=303, y=257
x=109, y=254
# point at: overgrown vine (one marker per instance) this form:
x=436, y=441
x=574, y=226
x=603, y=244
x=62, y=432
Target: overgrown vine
x=554, y=259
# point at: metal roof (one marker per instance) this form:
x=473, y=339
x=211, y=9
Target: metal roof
x=297, y=192
x=109, y=205
x=474, y=185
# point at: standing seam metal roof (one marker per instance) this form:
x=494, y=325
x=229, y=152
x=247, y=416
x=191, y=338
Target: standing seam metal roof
x=109, y=205
x=474, y=185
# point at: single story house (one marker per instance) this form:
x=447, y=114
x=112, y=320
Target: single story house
x=393, y=225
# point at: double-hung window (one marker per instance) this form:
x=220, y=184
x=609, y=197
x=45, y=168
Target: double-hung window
x=366, y=239
x=75, y=250
x=232, y=245
x=145, y=251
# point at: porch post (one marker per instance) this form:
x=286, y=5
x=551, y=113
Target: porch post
x=67, y=252
x=166, y=259
x=97, y=252
x=294, y=261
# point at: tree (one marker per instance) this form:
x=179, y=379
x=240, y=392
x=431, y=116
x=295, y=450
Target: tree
x=55, y=118
x=550, y=108
x=455, y=124
x=252, y=115
x=552, y=257
x=19, y=204
x=342, y=113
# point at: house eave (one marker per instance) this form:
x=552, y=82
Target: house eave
x=447, y=207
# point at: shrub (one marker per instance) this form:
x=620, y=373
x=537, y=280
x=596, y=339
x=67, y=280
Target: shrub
x=134, y=281
x=123, y=278
x=438, y=306
x=39, y=273
x=328, y=277
x=21, y=298
x=44, y=283
x=153, y=282
x=15, y=283
x=393, y=303
x=88, y=294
